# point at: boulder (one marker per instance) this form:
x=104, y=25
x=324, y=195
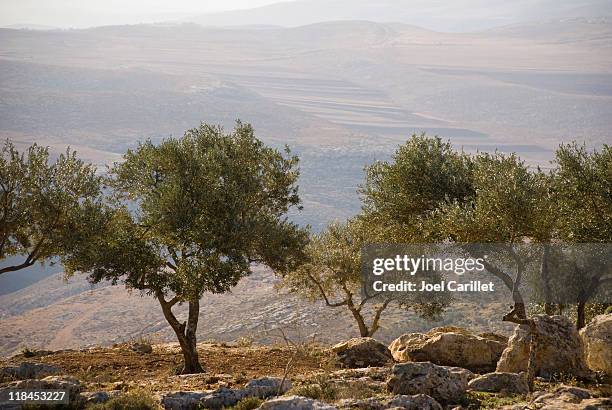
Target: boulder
x=295, y=403
x=559, y=349
x=427, y=378
x=449, y=346
x=500, y=383
x=597, y=341
x=28, y=370
x=416, y=402
x=362, y=352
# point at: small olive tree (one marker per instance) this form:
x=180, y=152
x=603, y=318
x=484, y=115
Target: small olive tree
x=191, y=215
x=46, y=207
x=331, y=272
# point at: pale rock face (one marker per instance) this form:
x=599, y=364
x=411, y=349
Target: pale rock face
x=223, y=397
x=500, y=382
x=427, y=378
x=559, y=349
x=449, y=346
x=362, y=352
x=72, y=385
x=28, y=370
x=295, y=403
x=597, y=340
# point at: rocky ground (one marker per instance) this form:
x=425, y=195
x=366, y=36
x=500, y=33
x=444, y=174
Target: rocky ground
x=446, y=368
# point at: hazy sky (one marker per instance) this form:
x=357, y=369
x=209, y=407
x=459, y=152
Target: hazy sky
x=86, y=13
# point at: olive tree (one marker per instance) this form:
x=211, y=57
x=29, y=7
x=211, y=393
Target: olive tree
x=582, y=194
x=46, y=207
x=191, y=215
x=331, y=272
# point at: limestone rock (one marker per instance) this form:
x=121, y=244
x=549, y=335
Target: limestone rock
x=28, y=370
x=449, y=346
x=70, y=384
x=223, y=397
x=266, y=387
x=559, y=349
x=500, y=382
x=295, y=403
x=427, y=378
x=597, y=340
x=362, y=352
x=182, y=400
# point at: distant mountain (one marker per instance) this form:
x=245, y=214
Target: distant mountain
x=31, y=27
x=439, y=15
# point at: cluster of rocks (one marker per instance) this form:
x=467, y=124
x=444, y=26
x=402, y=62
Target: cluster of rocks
x=223, y=397
x=433, y=371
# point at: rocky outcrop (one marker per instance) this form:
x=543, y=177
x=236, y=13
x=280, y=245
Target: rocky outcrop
x=569, y=397
x=362, y=352
x=559, y=349
x=295, y=403
x=70, y=384
x=427, y=378
x=597, y=341
x=500, y=383
x=416, y=402
x=449, y=346
x=27, y=370
x=223, y=397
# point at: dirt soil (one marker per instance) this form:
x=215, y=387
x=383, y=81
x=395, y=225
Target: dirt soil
x=227, y=365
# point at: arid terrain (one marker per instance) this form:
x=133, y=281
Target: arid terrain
x=341, y=94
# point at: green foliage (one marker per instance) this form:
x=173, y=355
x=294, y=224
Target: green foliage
x=506, y=207
x=582, y=184
x=425, y=173
x=482, y=400
x=47, y=209
x=133, y=400
x=320, y=388
x=332, y=263
x=248, y=403
x=193, y=213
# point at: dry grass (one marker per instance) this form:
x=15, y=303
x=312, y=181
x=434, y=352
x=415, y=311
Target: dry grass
x=226, y=365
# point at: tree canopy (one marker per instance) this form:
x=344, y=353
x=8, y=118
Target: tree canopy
x=46, y=207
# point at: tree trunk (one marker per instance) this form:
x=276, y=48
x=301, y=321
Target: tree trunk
x=363, y=329
x=185, y=333
x=580, y=319
x=533, y=346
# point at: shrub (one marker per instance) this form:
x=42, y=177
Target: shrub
x=134, y=400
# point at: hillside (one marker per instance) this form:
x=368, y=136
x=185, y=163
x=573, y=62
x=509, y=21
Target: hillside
x=76, y=315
